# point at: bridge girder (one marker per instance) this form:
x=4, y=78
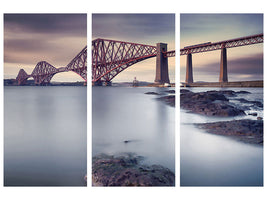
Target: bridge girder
x=79, y=64
x=237, y=42
x=43, y=71
x=22, y=77
x=110, y=57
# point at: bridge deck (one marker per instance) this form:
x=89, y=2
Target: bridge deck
x=237, y=42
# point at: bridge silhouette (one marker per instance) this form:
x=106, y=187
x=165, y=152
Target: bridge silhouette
x=223, y=45
x=111, y=57
x=43, y=71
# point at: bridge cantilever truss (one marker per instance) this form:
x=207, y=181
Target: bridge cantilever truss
x=43, y=71
x=79, y=64
x=110, y=57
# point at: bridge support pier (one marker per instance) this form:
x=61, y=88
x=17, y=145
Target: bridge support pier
x=189, y=69
x=97, y=83
x=162, y=73
x=107, y=83
x=223, y=66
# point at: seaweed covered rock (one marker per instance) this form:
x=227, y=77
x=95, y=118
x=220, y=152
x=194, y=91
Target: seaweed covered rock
x=210, y=103
x=126, y=170
x=248, y=131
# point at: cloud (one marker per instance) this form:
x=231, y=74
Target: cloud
x=247, y=65
x=30, y=38
x=220, y=26
x=67, y=24
x=133, y=27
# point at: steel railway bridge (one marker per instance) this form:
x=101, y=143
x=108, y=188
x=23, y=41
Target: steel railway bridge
x=111, y=57
x=43, y=71
x=222, y=45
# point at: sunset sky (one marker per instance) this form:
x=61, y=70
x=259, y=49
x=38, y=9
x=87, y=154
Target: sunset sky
x=55, y=38
x=244, y=63
x=139, y=28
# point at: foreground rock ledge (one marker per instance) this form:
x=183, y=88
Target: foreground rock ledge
x=126, y=170
x=248, y=131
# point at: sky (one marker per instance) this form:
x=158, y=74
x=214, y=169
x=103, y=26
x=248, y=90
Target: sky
x=147, y=29
x=244, y=63
x=55, y=38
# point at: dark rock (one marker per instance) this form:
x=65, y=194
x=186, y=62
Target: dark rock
x=211, y=103
x=255, y=103
x=227, y=92
x=242, y=100
x=243, y=92
x=127, y=171
x=248, y=131
x=152, y=93
x=184, y=91
x=170, y=91
x=253, y=114
x=170, y=100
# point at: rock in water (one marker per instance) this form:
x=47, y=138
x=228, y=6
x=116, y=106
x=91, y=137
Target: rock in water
x=127, y=171
x=170, y=100
x=248, y=131
x=152, y=93
x=211, y=103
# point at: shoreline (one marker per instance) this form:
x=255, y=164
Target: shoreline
x=245, y=130
x=216, y=104
x=258, y=83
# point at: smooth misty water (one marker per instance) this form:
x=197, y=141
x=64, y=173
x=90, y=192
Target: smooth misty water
x=212, y=160
x=125, y=113
x=45, y=136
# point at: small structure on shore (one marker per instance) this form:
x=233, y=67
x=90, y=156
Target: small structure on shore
x=135, y=82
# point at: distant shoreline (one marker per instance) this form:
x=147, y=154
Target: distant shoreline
x=225, y=84
x=12, y=82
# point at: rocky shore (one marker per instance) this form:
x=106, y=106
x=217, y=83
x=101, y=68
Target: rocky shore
x=210, y=103
x=126, y=170
x=169, y=99
x=248, y=131
x=217, y=104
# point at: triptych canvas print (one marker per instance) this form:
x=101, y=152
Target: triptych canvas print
x=137, y=100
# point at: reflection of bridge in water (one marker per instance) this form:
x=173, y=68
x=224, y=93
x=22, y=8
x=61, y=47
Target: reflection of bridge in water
x=43, y=71
x=223, y=45
x=110, y=57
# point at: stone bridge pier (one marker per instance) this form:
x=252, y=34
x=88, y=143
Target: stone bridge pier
x=223, y=67
x=162, y=73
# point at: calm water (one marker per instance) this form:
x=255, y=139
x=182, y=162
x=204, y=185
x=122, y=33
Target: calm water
x=124, y=113
x=45, y=136
x=211, y=160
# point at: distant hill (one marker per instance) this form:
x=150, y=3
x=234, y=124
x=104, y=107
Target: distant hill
x=13, y=82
